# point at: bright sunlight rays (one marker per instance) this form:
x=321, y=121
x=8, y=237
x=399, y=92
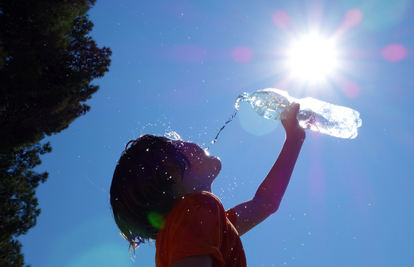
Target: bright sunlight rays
x=312, y=58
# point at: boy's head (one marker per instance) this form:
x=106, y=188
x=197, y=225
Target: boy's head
x=141, y=192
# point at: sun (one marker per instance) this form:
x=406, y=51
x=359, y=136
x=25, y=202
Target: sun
x=312, y=58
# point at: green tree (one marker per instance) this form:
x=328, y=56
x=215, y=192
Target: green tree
x=18, y=204
x=47, y=63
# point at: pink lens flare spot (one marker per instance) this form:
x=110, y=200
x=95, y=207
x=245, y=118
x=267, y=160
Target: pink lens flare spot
x=242, y=54
x=351, y=89
x=394, y=52
x=281, y=19
x=353, y=17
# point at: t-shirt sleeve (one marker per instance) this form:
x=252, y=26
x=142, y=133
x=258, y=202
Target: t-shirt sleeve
x=201, y=232
x=232, y=216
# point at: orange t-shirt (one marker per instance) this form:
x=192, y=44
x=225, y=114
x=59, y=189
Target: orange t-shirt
x=198, y=225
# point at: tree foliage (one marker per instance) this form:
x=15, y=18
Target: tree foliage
x=47, y=63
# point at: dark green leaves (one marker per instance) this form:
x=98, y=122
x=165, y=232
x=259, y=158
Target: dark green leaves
x=47, y=64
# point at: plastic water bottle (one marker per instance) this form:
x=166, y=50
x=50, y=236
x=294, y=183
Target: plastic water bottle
x=314, y=114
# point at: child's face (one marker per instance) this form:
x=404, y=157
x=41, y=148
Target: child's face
x=203, y=168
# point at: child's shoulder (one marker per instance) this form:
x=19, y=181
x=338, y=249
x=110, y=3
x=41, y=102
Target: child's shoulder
x=204, y=196
x=200, y=198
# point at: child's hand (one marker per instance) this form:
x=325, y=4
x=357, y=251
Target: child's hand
x=291, y=123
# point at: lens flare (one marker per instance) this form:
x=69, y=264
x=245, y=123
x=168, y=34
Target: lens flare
x=156, y=219
x=242, y=54
x=281, y=19
x=351, y=89
x=353, y=17
x=394, y=52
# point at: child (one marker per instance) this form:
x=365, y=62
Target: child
x=161, y=190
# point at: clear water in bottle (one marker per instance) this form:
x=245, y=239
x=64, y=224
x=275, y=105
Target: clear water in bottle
x=314, y=114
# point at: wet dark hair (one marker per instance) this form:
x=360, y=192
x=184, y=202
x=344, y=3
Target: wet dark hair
x=141, y=190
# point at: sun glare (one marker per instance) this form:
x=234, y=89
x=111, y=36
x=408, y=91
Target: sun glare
x=312, y=58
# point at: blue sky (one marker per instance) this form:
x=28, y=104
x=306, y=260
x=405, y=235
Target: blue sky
x=179, y=66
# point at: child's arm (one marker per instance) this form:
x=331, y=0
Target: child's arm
x=270, y=192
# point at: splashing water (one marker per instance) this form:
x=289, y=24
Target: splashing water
x=236, y=105
x=173, y=135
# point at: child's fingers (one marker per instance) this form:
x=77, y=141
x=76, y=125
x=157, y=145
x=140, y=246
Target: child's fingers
x=294, y=110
